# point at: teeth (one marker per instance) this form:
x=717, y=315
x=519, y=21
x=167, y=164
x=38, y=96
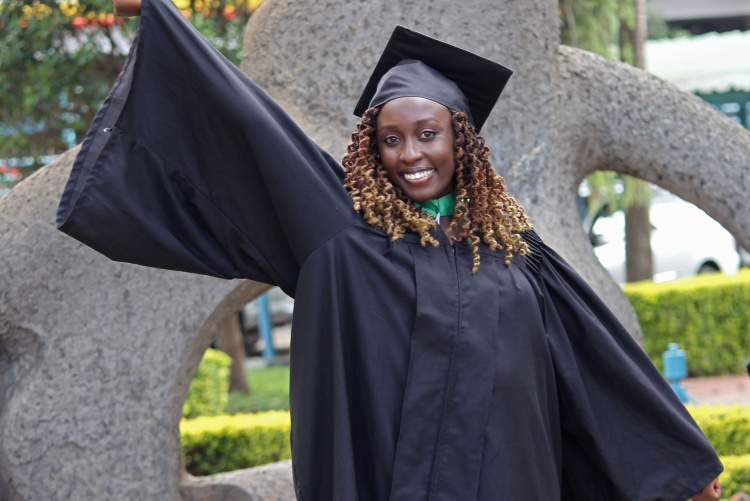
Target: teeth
x=418, y=175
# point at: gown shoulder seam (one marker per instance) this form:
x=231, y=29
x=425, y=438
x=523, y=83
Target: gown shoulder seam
x=534, y=256
x=334, y=236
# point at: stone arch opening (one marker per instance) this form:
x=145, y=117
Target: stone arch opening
x=272, y=481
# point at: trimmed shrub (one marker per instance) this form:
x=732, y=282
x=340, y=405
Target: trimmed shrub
x=707, y=315
x=736, y=476
x=727, y=427
x=226, y=443
x=209, y=390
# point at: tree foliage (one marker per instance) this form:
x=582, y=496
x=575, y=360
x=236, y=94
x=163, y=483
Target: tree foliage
x=59, y=58
x=591, y=24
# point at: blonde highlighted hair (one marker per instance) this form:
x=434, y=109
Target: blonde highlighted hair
x=484, y=209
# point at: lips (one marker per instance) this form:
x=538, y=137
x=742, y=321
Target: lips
x=416, y=176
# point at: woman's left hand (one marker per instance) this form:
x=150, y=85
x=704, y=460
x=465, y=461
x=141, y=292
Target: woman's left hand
x=711, y=492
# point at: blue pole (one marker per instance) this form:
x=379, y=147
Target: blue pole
x=675, y=370
x=265, y=326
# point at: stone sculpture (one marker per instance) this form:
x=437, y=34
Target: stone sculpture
x=96, y=357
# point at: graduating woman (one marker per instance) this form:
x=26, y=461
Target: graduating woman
x=440, y=349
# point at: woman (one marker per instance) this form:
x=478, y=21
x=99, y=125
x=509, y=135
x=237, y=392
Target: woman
x=447, y=356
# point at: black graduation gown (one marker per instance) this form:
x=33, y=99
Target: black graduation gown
x=411, y=378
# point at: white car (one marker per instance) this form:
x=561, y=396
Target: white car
x=684, y=241
x=744, y=256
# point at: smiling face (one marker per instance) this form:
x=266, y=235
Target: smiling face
x=415, y=139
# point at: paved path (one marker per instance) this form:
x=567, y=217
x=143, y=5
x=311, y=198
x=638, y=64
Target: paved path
x=719, y=389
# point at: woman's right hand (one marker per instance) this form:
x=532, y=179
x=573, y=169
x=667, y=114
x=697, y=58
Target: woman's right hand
x=711, y=492
x=127, y=8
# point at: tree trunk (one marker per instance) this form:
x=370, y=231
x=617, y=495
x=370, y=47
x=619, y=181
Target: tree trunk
x=639, y=34
x=638, y=260
x=230, y=342
x=638, y=253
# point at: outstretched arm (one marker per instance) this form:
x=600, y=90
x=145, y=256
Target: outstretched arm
x=190, y=166
x=627, y=435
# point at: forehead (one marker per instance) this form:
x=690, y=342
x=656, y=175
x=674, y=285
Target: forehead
x=407, y=110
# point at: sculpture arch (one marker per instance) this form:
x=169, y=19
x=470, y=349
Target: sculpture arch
x=96, y=356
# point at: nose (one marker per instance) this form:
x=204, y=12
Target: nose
x=411, y=151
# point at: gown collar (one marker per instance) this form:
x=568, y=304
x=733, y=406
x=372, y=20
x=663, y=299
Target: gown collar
x=443, y=206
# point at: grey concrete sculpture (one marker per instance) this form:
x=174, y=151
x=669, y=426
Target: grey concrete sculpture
x=95, y=357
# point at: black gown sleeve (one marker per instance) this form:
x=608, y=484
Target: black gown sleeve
x=626, y=436
x=190, y=166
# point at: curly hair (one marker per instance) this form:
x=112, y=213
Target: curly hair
x=483, y=206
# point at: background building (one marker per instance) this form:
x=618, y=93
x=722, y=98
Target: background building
x=703, y=16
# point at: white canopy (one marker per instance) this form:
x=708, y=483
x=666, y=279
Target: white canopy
x=675, y=10
x=710, y=63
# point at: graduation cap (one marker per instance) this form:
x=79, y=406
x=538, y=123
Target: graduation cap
x=415, y=65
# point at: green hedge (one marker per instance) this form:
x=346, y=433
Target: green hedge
x=225, y=443
x=736, y=476
x=209, y=390
x=727, y=427
x=708, y=315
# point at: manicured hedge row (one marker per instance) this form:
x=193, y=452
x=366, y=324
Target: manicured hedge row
x=708, y=315
x=224, y=443
x=209, y=390
x=736, y=476
x=727, y=427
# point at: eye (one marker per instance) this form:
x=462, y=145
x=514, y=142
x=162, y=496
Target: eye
x=427, y=134
x=389, y=140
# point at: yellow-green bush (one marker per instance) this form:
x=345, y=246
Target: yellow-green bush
x=707, y=315
x=209, y=390
x=225, y=443
x=727, y=427
x=736, y=476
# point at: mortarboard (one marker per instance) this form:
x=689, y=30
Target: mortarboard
x=416, y=65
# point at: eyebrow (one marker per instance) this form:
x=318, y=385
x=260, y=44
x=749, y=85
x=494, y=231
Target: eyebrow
x=418, y=122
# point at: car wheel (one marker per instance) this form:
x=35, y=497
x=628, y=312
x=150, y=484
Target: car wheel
x=708, y=268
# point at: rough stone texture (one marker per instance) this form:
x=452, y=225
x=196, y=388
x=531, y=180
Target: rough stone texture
x=95, y=358
x=619, y=117
x=265, y=483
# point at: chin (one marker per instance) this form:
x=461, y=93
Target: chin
x=423, y=193
x=418, y=197
x=423, y=196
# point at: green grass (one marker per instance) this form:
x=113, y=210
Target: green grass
x=269, y=390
